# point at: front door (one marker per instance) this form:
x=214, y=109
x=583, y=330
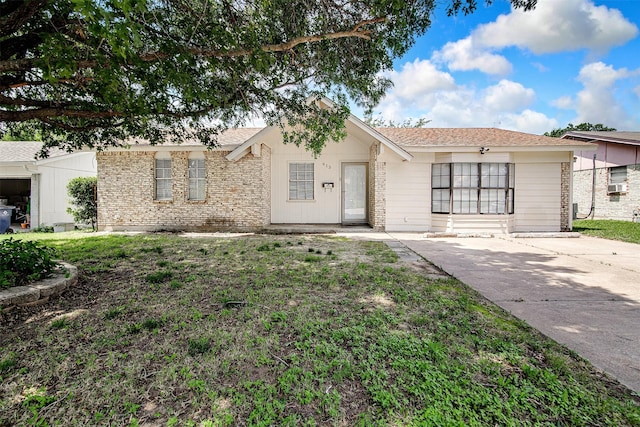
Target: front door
x=354, y=193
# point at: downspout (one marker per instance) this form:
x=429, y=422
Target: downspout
x=593, y=191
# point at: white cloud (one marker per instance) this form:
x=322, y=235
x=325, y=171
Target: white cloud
x=556, y=26
x=508, y=96
x=599, y=75
x=636, y=90
x=415, y=87
x=463, y=55
x=529, y=121
x=596, y=102
x=503, y=105
x=540, y=67
x=418, y=78
x=564, y=102
x=553, y=26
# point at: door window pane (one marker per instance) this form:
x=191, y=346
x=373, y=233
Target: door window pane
x=355, y=192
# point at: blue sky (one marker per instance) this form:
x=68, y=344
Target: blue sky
x=568, y=61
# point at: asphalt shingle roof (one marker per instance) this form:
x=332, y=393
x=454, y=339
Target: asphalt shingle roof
x=623, y=137
x=233, y=137
x=24, y=151
x=19, y=151
x=469, y=137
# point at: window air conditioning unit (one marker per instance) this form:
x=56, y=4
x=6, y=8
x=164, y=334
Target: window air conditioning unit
x=617, y=188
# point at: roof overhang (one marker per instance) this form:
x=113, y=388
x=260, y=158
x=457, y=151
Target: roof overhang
x=18, y=164
x=244, y=148
x=597, y=138
x=173, y=147
x=498, y=148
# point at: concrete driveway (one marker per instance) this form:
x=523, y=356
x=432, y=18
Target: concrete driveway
x=582, y=292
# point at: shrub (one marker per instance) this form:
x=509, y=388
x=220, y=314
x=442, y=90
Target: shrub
x=22, y=262
x=82, y=191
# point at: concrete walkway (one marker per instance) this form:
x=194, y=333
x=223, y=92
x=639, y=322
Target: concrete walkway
x=582, y=292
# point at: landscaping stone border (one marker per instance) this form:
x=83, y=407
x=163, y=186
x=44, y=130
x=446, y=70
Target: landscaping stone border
x=39, y=292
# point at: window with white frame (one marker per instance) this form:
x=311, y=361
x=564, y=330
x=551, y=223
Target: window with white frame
x=301, y=181
x=197, y=179
x=472, y=188
x=163, y=179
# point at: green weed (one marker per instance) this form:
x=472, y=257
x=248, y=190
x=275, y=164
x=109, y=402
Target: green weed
x=198, y=346
x=158, y=277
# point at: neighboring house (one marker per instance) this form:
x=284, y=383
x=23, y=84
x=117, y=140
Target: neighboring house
x=617, y=175
x=410, y=179
x=42, y=182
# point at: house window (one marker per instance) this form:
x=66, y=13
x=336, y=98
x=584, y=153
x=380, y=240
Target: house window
x=163, y=179
x=197, y=179
x=300, y=181
x=618, y=175
x=472, y=188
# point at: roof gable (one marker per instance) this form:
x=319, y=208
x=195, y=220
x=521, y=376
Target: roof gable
x=242, y=149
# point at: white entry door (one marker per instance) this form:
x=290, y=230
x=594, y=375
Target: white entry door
x=354, y=193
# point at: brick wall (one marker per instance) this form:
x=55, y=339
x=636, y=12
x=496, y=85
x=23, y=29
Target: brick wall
x=377, y=190
x=607, y=206
x=565, y=196
x=237, y=193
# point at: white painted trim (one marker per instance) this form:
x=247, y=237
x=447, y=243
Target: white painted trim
x=239, y=152
x=181, y=147
x=315, y=196
x=60, y=157
x=494, y=148
x=243, y=149
x=374, y=133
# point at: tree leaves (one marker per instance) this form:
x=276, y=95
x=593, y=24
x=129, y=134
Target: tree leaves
x=557, y=133
x=94, y=73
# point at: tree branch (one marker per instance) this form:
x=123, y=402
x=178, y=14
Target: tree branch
x=70, y=128
x=16, y=18
x=5, y=100
x=48, y=112
x=355, y=32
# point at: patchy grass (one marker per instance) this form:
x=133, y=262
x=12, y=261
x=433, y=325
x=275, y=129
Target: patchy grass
x=259, y=330
x=625, y=231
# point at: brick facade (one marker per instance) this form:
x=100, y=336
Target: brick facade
x=607, y=206
x=565, y=196
x=377, y=190
x=237, y=193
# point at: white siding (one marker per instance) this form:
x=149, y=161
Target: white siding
x=408, y=201
x=54, y=177
x=326, y=208
x=537, y=197
x=49, y=199
x=495, y=224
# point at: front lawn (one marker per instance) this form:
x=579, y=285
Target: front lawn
x=625, y=231
x=281, y=330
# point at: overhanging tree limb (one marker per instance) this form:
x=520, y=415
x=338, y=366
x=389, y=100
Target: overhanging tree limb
x=27, y=63
x=94, y=73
